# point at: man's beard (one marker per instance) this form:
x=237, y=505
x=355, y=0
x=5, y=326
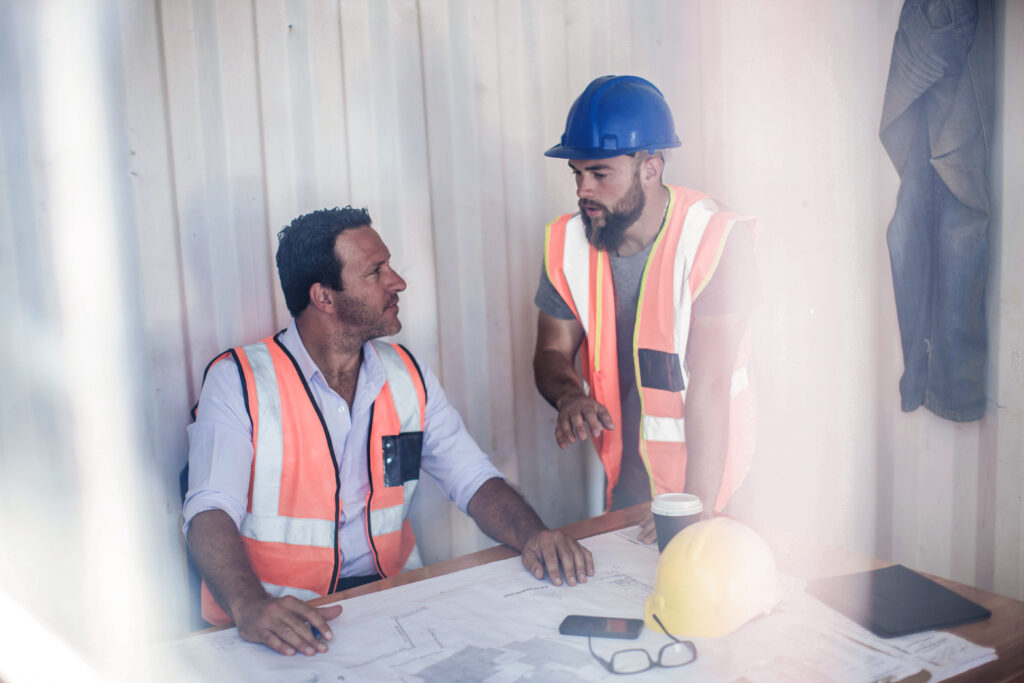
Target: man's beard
x=617, y=220
x=361, y=319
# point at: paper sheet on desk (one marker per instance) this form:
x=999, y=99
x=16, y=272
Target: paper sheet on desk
x=497, y=623
x=803, y=639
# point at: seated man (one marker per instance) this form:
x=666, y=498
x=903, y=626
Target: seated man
x=307, y=447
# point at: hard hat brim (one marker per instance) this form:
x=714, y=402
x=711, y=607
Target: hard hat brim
x=565, y=152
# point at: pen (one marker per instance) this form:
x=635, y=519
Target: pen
x=317, y=634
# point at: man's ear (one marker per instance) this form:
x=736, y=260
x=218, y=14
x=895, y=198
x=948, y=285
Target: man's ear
x=651, y=168
x=321, y=297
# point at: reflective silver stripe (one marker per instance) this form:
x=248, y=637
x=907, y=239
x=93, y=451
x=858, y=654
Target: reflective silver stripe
x=740, y=381
x=664, y=429
x=674, y=430
x=266, y=486
x=403, y=392
x=695, y=222
x=698, y=215
x=276, y=591
x=576, y=266
x=414, y=561
x=291, y=530
x=408, y=488
x=405, y=397
x=387, y=520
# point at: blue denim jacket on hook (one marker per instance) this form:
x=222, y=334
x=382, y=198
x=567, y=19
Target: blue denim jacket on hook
x=937, y=129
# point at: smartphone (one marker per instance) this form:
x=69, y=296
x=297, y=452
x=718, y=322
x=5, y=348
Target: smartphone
x=601, y=627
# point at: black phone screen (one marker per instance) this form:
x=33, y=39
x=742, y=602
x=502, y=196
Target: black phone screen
x=601, y=627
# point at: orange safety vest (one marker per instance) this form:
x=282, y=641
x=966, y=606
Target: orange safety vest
x=682, y=260
x=290, y=530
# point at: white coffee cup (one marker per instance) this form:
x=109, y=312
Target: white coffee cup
x=673, y=512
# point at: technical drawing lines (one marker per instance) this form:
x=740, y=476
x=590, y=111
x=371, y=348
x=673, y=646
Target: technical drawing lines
x=526, y=590
x=468, y=665
x=626, y=584
x=405, y=643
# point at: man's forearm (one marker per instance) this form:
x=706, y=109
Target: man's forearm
x=217, y=549
x=711, y=353
x=502, y=514
x=707, y=441
x=555, y=376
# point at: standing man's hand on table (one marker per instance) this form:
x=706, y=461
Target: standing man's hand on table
x=648, y=533
x=282, y=624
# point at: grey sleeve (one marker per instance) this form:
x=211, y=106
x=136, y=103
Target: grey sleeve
x=549, y=300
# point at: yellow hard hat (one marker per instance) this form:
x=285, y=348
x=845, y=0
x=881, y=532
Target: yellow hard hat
x=713, y=577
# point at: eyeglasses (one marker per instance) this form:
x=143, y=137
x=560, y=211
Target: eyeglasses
x=635, y=660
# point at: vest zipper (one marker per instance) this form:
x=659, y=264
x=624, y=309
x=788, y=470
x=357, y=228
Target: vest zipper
x=369, y=497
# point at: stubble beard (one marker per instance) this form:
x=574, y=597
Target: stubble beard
x=617, y=220
x=362, y=320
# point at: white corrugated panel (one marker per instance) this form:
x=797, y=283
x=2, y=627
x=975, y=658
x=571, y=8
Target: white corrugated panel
x=238, y=115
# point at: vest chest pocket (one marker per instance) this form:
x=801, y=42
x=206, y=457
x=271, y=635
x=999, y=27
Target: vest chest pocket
x=660, y=370
x=402, y=454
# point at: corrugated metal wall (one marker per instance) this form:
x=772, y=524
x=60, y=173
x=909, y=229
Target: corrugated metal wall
x=229, y=118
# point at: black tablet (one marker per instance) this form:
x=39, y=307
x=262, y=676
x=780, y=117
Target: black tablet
x=896, y=601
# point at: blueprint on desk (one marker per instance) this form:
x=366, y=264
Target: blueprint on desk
x=499, y=624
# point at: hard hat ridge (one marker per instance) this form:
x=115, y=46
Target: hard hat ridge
x=616, y=115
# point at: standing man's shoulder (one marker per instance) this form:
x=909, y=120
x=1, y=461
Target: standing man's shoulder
x=732, y=286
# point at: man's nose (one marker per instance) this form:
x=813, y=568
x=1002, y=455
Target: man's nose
x=584, y=188
x=398, y=283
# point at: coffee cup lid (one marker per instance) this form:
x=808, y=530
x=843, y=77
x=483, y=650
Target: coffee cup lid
x=676, y=504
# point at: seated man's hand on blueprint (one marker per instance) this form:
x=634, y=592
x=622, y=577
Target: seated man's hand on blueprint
x=285, y=624
x=548, y=549
x=502, y=514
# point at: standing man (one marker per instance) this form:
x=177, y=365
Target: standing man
x=307, y=448
x=654, y=283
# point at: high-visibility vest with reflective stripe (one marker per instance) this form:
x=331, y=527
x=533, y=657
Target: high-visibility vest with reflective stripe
x=681, y=262
x=290, y=530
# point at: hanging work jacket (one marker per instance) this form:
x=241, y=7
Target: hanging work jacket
x=290, y=530
x=681, y=262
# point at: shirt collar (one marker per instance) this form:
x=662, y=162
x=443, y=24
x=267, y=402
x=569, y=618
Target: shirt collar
x=293, y=342
x=371, y=371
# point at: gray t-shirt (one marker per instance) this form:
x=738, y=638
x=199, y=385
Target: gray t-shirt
x=729, y=291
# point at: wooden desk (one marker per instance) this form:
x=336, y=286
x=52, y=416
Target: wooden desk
x=1004, y=630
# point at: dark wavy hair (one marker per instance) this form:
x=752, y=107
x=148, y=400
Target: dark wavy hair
x=305, y=252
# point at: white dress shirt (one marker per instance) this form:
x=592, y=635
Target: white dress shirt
x=221, y=453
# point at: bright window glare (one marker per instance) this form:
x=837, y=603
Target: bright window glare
x=80, y=545
x=31, y=652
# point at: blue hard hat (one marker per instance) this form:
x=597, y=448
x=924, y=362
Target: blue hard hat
x=616, y=115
